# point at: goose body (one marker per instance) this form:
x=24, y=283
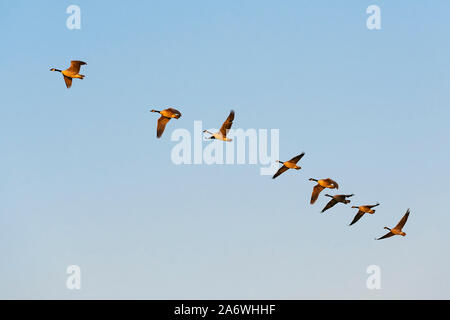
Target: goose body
x=166, y=115
x=322, y=184
x=339, y=198
x=398, y=229
x=363, y=210
x=291, y=164
x=72, y=72
x=226, y=126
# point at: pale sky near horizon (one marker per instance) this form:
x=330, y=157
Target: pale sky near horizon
x=84, y=181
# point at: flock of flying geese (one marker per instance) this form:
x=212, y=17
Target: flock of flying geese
x=340, y=198
x=167, y=114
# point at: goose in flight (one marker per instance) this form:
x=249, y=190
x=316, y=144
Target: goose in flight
x=336, y=199
x=397, y=230
x=222, y=134
x=362, y=210
x=322, y=184
x=166, y=115
x=291, y=164
x=71, y=72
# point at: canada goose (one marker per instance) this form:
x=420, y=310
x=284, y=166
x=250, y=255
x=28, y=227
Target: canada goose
x=71, y=72
x=222, y=134
x=322, y=184
x=336, y=199
x=291, y=164
x=362, y=210
x=397, y=230
x=166, y=115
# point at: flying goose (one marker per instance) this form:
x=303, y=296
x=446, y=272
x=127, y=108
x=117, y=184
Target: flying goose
x=397, y=230
x=362, y=210
x=322, y=184
x=336, y=199
x=222, y=134
x=71, y=72
x=291, y=164
x=166, y=115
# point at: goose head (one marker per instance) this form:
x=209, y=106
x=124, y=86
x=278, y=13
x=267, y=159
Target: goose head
x=211, y=137
x=212, y=134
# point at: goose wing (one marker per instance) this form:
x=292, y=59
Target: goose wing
x=357, y=217
x=402, y=222
x=227, y=124
x=68, y=82
x=315, y=194
x=387, y=235
x=297, y=158
x=175, y=112
x=329, y=205
x=162, y=121
x=280, y=171
x=331, y=181
x=75, y=66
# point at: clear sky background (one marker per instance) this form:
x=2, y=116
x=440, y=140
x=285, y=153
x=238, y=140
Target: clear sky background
x=84, y=181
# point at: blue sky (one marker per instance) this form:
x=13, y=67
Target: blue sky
x=84, y=180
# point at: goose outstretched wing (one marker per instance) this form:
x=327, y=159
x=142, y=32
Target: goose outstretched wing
x=402, y=222
x=68, y=82
x=297, y=158
x=75, y=66
x=315, y=194
x=162, y=121
x=357, y=217
x=329, y=205
x=227, y=124
x=387, y=235
x=280, y=171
